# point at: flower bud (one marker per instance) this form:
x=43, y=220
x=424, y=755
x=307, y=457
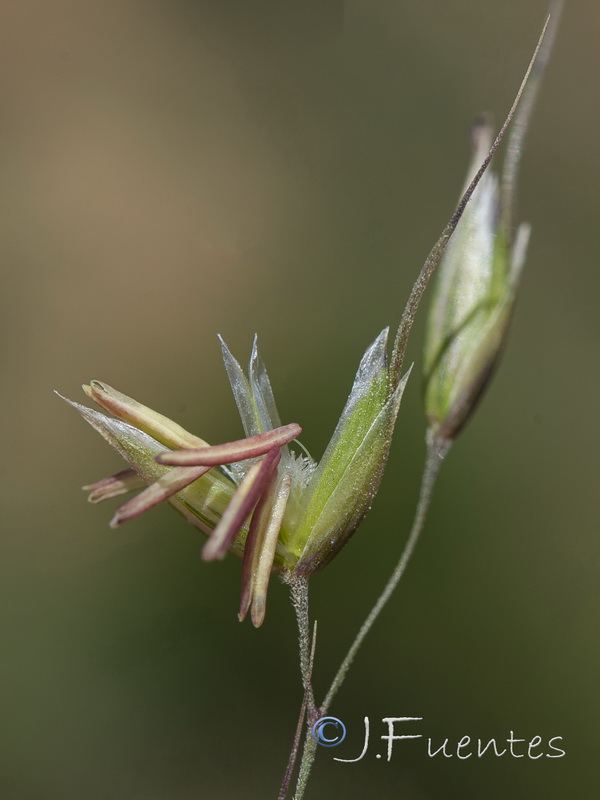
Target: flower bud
x=472, y=302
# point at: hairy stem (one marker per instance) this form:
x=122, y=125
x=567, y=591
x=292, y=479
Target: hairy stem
x=436, y=450
x=299, y=592
x=308, y=757
x=308, y=711
x=309, y=715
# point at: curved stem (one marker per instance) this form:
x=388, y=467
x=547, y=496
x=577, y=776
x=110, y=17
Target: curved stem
x=435, y=256
x=436, y=450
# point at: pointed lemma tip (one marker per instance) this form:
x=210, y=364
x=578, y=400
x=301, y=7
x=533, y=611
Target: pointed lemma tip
x=224, y=349
x=62, y=397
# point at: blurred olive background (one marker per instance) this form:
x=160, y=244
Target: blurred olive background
x=171, y=170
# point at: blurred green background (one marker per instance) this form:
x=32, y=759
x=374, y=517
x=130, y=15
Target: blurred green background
x=171, y=170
